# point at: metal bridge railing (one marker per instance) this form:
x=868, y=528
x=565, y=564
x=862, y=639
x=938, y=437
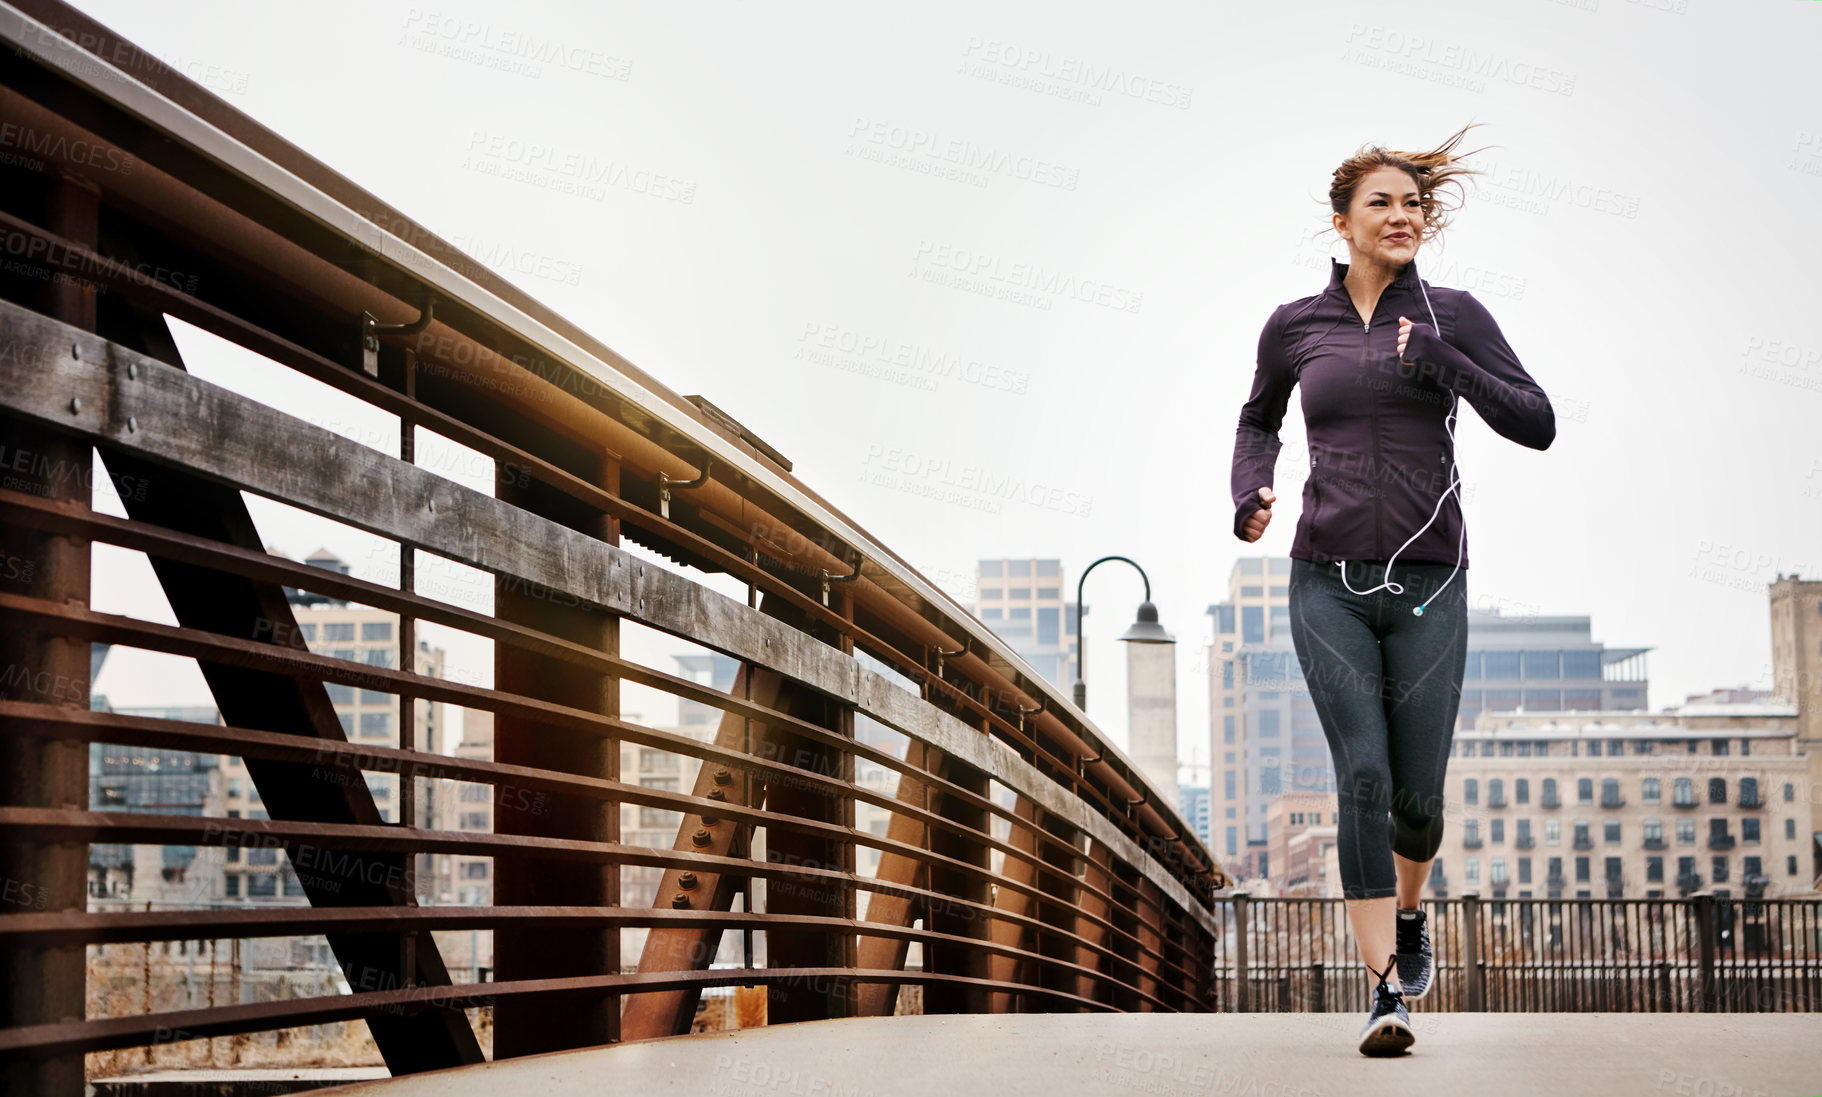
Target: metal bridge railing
x=1706, y=953
x=1028, y=858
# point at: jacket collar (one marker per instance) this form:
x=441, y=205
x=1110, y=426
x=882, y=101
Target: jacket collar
x=1407, y=275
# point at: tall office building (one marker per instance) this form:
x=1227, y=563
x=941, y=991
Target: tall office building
x=1264, y=737
x=1022, y=601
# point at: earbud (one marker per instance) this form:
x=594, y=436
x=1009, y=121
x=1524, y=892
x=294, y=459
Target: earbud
x=1461, y=543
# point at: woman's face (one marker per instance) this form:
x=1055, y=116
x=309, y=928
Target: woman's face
x=1385, y=220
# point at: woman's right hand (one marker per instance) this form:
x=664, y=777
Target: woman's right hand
x=1259, y=519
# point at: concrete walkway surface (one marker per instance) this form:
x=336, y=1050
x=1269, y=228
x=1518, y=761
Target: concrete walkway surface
x=1178, y=1055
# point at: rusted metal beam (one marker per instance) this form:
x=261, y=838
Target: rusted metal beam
x=536, y=952
x=46, y=983
x=911, y=829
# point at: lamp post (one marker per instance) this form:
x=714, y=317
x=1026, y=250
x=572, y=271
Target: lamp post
x=1145, y=629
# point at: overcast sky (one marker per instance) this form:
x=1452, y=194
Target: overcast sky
x=759, y=203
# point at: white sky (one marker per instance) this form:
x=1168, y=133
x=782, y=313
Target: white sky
x=1643, y=243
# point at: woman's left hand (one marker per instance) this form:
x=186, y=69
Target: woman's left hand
x=1404, y=335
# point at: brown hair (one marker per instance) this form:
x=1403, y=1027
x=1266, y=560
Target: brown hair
x=1429, y=170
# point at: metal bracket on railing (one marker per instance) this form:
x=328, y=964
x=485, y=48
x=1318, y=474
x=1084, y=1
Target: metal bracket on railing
x=665, y=484
x=1024, y=712
x=372, y=329
x=827, y=579
x=940, y=653
x=1082, y=764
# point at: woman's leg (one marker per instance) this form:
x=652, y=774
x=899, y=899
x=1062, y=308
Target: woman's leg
x=1340, y=655
x=1411, y=876
x=1424, y=658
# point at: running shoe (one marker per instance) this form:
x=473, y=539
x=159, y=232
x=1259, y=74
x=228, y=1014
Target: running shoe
x=1388, y=1027
x=1416, y=964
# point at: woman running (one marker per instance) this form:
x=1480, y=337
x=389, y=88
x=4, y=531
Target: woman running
x=1383, y=357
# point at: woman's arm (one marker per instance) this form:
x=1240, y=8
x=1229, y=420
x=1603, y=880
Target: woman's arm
x=1487, y=376
x=1256, y=441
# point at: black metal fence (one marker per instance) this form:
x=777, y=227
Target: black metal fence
x=1705, y=953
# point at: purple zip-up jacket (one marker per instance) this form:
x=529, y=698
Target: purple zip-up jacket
x=1379, y=448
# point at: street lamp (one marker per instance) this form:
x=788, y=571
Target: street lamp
x=1145, y=629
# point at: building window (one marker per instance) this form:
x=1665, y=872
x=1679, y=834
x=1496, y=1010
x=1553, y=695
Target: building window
x=1581, y=664
x=1718, y=746
x=1611, y=831
x=1227, y=674
x=1252, y=624
x=1498, y=831
x=1749, y=831
x=1581, y=870
x=1268, y=723
x=1470, y=870
x=1049, y=625
x=1717, y=790
x=1227, y=729
x=1651, y=791
x=1542, y=664
x=1790, y=865
x=1018, y=569
x=1550, y=792
x=1049, y=592
x=1498, y=867
x=1524, y=870
x=1790, y=828
x=1790, y=792
x=1500, y=664
x=1685, y=832
x=993, y=592
x=338, y=632
x=233, y=882
x=1720, y=869
x=376, y=632
x=1521, y=791
x=339, y=694
x=1584, y=790
x=1019, y=594
x=1594, y=748
x=473, y=820
x=376, y=725
x=1654, y=870
x=1683, y=792
x=379, y=657
x=1613, y=868
x=1553, y=832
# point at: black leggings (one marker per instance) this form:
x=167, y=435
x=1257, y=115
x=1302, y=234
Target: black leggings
x=1387, y=686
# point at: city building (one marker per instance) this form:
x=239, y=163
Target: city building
x=1023, y=601
x=1301, y=851
x=1192, y=802
x=1708, y=795
x=154, y=780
